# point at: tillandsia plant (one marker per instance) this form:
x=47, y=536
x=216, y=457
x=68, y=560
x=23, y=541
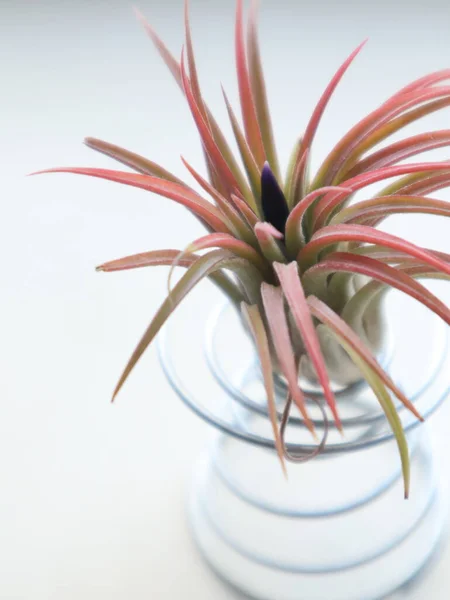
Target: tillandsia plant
x=306, y=266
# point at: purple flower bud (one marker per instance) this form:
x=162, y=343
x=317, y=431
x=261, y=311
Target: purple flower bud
x=273, y=202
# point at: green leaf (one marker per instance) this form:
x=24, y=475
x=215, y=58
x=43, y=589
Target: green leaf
x=388, y=407
x=156, y=258
x=252, y=169
x=267, y=236
x=345, y=333
x=235, y=222
x=257, y=328
x=203, y=267
x=259, y=92
x=373, y=211
x=135, y=161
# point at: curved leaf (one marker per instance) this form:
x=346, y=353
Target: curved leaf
x=267, y=236
x=401, y=150
x=293, y=291
x=326, y=205
x=394, y=256
x=258, y=88
x=228, y=242
x=339, y=157
x=333, y=321
x=233, y=220
x=384, y=131
x=245, y=210
x=376, y=209
x=389, y=410
x=203, y=267
x=179, y=193
x=289, y=191
x=316, y=117
x=273, y=302
x=175, y=69
x=251, y=125
x=295, y=238
x=193, y=75
x=252, y=169
x=380, y=272
x=258, y=330
x=164, y=52
x=418, y=183
x=156, y=258
x=219, y=163
x=135, y=161
x=425, y=81
x=334, y=234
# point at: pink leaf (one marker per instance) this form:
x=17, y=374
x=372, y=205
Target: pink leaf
x=251, y=126
x=325, y=314
x=341, y=153
x=332, y=200
x=232, y=218
x=157, y=258
x=148, y=259
x=245, y=210
x=314, y=121
x=228, y=242
x=268, y=242
x=203, y=267
x=269, y=229
x=135, y=161
x=257, y=328
x=401, y=150
x=248, y=159
x=165, y=54
x=207, y=137
x=426, y=81
x=293, y=229
x=419, y=183
x=195, y=85
x=394, y=256
x=364, y=265
x=385, y=130
x=373, y=211
x=276, y=318
x=335, y=234
x=179, y=193
x=295, y=296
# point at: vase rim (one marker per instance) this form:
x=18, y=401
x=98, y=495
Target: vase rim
x=436, y=385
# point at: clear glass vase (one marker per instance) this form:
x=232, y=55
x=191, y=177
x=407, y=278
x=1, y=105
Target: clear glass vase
x=338, y=527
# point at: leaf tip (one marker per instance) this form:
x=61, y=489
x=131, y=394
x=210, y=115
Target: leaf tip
x=138, y=14
x=115, y=392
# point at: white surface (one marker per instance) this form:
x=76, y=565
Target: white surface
x=92, y=497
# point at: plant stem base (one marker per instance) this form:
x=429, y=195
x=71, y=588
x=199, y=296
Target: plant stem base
x=364, y=550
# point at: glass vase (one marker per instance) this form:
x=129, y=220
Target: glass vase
x=338, y=527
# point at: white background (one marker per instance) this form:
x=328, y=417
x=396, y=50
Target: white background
x=92, y=495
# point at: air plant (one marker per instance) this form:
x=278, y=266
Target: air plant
x=306, y=267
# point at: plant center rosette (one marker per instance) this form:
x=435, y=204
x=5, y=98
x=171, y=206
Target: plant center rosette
x=301, y=254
